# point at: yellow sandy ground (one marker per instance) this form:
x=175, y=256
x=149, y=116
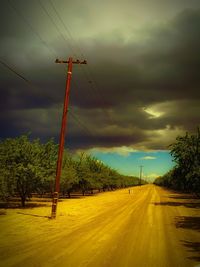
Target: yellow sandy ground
x=151, y=227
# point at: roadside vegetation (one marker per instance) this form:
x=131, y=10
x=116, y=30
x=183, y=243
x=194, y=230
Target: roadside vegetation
x=185, y=176
x=29, y=167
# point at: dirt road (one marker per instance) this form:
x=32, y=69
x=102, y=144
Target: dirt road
x=149, y=227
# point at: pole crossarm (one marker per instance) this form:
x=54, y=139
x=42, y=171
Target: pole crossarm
x=74, y=61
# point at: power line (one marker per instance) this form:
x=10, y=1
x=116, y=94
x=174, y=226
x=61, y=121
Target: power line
x=95, y=88
x=70, y=62
x=30, y=26
x=69, y=33
x=30, y=84
x=14, y=71
x=93, y=85
x=66, y=28
x=55, y=25
x=80, y=123
x=89, y=81
x=58, y=15
x=58, y=30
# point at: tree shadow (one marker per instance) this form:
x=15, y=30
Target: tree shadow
x=2, y=212
x=192, y=205
x=34, y=215
x=72, y=196
x=188, y=222
x=193, y=247
x=184, y=196
x=79, y=196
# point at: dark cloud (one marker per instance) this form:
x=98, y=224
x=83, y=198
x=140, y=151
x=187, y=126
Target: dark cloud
x=140, y=88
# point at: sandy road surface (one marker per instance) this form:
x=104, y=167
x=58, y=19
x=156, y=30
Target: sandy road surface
x=149, y=227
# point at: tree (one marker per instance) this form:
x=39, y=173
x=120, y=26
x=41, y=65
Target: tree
x=48, y=158
x=186, y=154
x=26, y=164
x=30, y=166
x=83, y=173
x=69, y=177
x=186, y=174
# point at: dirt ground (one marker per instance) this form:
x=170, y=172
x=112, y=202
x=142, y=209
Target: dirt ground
x=150, y=227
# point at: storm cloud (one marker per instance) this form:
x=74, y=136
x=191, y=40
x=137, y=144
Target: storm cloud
x=140, y=88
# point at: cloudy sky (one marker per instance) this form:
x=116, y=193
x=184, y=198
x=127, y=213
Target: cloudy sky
x=139, y=90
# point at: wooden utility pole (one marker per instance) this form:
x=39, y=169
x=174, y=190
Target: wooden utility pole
x=141, y=174
x=70, y=62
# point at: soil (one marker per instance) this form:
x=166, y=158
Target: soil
x=145, y=226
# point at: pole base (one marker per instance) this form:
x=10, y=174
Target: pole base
x=54, y=205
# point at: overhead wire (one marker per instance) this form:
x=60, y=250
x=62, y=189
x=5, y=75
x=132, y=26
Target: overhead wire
x=20, y=14
x=68, y=42
x=88, y=75
x=55, y=25
x=80, y=122
x=58, y=30
x=14, y=71
x=19, y=75
x=94, y=90
x=63, y=37
x=61, y=20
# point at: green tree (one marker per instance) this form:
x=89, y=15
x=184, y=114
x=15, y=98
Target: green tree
x=47, y=166
x=69, y=177
x=26, y=164
x=186, y=153
x=186, y=174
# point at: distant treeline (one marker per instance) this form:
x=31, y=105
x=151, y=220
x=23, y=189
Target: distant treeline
x=185, y=175
x=29, y=167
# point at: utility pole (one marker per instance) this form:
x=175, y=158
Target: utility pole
x=70, y=62
x=141, y=174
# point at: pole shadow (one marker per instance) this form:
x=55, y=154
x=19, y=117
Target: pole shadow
x=29, y=205
x=34, y=215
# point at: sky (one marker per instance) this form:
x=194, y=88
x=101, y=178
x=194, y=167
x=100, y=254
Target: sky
x=137, y=93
